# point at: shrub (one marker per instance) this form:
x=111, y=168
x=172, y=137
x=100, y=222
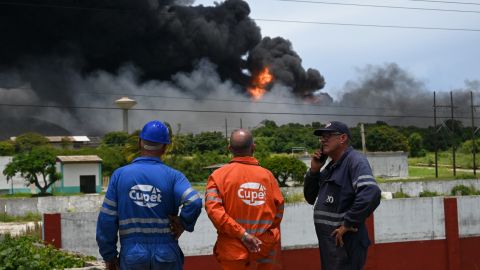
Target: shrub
x=27, y=252
x=285, y=168
x=400, y=194
x=427, y=193
x=464, y=190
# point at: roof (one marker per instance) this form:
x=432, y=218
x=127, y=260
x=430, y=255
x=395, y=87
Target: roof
x=214, y=166
x=79, y=159
x=58, y=139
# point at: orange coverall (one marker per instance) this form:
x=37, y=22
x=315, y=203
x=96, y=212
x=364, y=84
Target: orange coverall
x=244, y=197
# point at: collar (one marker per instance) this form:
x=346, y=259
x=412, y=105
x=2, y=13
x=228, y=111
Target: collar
x=344, y=155
x=245, y=160
x=147, y=159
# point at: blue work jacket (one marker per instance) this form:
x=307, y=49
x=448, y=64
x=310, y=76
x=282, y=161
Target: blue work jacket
x=344, y=193
x=140, y=198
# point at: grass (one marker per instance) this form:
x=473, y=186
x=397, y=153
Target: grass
x=25, y=218
x=462, y=160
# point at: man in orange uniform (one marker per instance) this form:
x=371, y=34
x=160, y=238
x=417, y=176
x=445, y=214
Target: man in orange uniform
x=245, y=204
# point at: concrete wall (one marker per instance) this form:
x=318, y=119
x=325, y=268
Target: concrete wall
x=52, y=204
x=384, y=164
x=388, y=164
x=78, y=232
x=413, y=189
x=468, y=216
x=399, y=220
x=18, y=182
x=410, y=220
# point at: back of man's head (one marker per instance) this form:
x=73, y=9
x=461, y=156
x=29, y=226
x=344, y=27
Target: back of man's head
x=241, y=143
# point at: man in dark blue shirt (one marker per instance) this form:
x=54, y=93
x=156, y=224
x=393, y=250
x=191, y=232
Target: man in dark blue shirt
x=345, y=193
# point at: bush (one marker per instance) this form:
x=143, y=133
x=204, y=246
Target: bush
x=400, y=194
x=415, y=143
x=194, y=167
x=385, y=138
x=427, y=193
x=285, y=168
x=464, y=191
x=28, y=252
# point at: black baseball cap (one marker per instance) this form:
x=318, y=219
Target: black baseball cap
x=334, y=126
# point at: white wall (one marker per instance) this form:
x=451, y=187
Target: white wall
x=388, y=164
x=18, y=182
x=384, y=164
x=72, y=172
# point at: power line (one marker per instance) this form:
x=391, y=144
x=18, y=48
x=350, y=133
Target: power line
x=369, y=25
x=380, y=6
x=65, y=7
x=277, y=20
x=225, y=111
x=247, y=101
x=445, y=2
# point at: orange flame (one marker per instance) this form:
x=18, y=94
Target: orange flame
x=259, y=83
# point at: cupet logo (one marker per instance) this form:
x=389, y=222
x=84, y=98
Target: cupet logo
x=145, y=195
x=252, y=193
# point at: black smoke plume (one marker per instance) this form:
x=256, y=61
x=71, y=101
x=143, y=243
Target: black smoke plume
x=45, y=41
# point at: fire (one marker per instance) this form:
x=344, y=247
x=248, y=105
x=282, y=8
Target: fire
x=259, y=83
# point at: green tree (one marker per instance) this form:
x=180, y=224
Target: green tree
x=415, y=143
x=27, y=141
x=7, y=148
x=115, y=138
x=36, y=167
x=209, y=141
x=113, y=157
x=194, y=166
x=285, y=168
x=385, y=138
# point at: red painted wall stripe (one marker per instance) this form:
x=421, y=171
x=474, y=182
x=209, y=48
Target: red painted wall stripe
x=372, y=254
x=451, y=232
x=52, y=229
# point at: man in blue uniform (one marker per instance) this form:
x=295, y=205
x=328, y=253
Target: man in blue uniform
x=345, y=193
x=142, y=204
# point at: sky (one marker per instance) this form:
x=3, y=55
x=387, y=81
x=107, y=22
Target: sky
x=441, y=59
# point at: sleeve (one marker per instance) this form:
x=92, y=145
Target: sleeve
x=190, y=200
x=217, y=214
x=107, y=223
x=367, y=193
x=279, y=203
x=310, y=186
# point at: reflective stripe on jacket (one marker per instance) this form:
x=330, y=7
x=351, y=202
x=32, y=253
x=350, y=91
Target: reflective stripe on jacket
x=243, y=197
x=138, y=202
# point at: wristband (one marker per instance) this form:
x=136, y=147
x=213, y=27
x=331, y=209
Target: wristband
x=244, y=237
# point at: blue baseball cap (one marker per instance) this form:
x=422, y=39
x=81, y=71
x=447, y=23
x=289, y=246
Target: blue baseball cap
x=334, y=126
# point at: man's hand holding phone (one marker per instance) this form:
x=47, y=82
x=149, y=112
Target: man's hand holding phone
x=318, y=160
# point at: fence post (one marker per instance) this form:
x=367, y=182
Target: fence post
x=52, y=229
x=451, y=233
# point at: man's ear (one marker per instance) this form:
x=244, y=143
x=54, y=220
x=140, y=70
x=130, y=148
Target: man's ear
x=253, y=148
x=229, y=148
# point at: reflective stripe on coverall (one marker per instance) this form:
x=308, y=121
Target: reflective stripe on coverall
x=346, y=193
x=244, y=197
x=138, y=202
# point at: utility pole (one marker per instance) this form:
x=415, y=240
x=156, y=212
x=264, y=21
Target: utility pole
x=362, y=134
x=241, y=124
x=450, y=129
x=474, y=147
x=226, y=131
x=435, y=142
x=453, y=135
